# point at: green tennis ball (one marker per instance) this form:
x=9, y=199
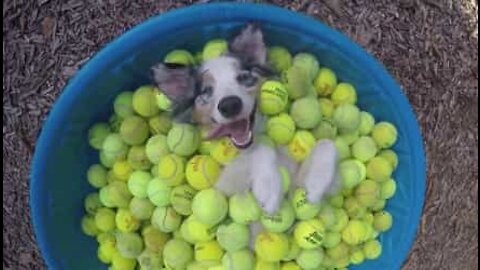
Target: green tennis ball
x=364, y=149
x=339, y=251
x=97, y=176
x=202, y=172
x=208, y=251
x=273, y=97
x=262, y=265
x=281, y=128
x=115, y=122
x=342, y=148
x=354, y=208
x=114, y=148
x=171, y=169
x=210, y=206
x=137, y=158
x=325, y=130
x=379, y=169
x=308, y=62
x=346, y=117
x=121, y=262
x=150, y=260
x=177, y=254
x=265, y=140
x=325, y=82
x=301, y=145
x=382, y=221
x=326, y=107
x=279, y=58
x=205, y=265
x=310, y=258
x=134, y=130
x=223, y=151
x=280, y=221
x=194, y=231
x=384, y=134
x=349, y=137
x=388, y=189
x=181, y=199
x=158, y=192
x=122, y=105
x=306, y=112
x=390, y=156
x=309, y=234
x=125, y=221
x=368, y=218
x=105, y=160
x=141, y=208
x=341, y=220
x=92, y=203
x=286, y=180
x=88, y=225
x=160, y=124
x=271, y=247
x=379, y=205
x=302, y=207
x=344, y=93
x=327, y=215
x=105, y=219
x=121, y=170
x=138, y=183
x=129, y=245
x=156, y=148
x=367, y=192
x=182, y=57
x=351, y=173
x=293, y=251
x=166, y=219
x=372, y=249
x=354, y=233
x=233, y=236
x=367, y=122
x=97, y=134
x=332, y=239
x=244, y=208
x=162, y=101
x=116, y=194
x=214, y=48
x=238, y=260
x=107, y=249
x=144, y=101
x=292, y=266
x=183, y=139
x=154, y=239
x=356, y=256
x=336, y=200
x=297, y=82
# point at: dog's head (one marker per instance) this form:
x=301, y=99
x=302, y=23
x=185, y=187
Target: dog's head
x=221, y=93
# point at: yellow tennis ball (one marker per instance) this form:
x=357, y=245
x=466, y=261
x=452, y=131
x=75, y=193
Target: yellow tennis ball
x=179, y=57
x=355, y=232
x=141, y=208
x=105, y=219
x=342, y=148
x=116, y=194
x=271, y=247
x=205, y=265
x=202, y=172
x=302, y=207
x=297, y=81
x=332, y=239
x=171, y=169
x=385, y=134
x=194, y=231
x=137, y=158
x=166, y=219
x=177, y=254
x=154, y=239
x=309, y=234
x=290, y=266
x=326, y=107
x=325, y=130
x=273, y=97
x=280, y=221
x=364, y=149
x=357, y=256
x=286, y=180
x=327, y=215
x=335, y=200
x=390, y=156
x=382, y=221
x=379, y=205
x=388, y=189
x=214, y=48
x=233, y=236
x=262, y=265
x=309, y=63
x=92, y=203
x=351, y=173
x=106, y=160
x=114, y=148
x=354, y=208
x=244, y=208
x=97, y=134
x=125, y=221
x=208, y=251
x=150, y=260
x=160, y=124
x=379, y=169
x=366, y=123
x=134, y=130
x=223, y=151
x=210, y=206
x=344, y=93
x=325, y=82
x=181, y=199
x=144, y=101
x=310, y=258
x=279, y=58
x=162, y=101
x=341, y=220
x=339, y=251
x=301, y=145
x=346, y=117
x=238, y=260
x=97, y=175
x=121, y=262
x=372, y=249
x=106, y=250
x=183, y=139
x=293, y=250
x=88, y=225
x=138, y=183
x=367, y=192
x=129, y=245
x=158, y=192
x=122, y=170
x=306, y=112
x=156, y=148
x=281, y=128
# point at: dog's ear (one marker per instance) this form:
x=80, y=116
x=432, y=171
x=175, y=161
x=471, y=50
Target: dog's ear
x=175, y=80
x=249, y=46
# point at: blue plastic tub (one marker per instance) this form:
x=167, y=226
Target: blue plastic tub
x=62, y=154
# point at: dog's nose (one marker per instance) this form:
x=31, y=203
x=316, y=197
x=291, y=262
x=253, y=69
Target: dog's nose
x=230, y=106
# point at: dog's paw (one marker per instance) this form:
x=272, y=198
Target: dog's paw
x=267, y=188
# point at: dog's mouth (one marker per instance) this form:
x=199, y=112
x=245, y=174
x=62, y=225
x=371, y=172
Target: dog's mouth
x=240, y=132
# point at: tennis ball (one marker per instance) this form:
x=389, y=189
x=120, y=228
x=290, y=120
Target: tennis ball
x=171, y=169
x=280, y=221
x=262, y=265
x=202, y=172
x=121, y=262
x=308, y=62
x=339, y=251
x=156, y=148
x=293, y=251
x=238, y=260
x=208, y=251
x=224, y=151
x=116, y=194
x=382, y=221
x=335, y=200
x=181, y=199
x=129, y=245
x=244, y=208
x=342, y=148
x=302, y=207
x=205, y=265
x=122, y=105
x=346, y=117
x=210, y=206
x=182, y=57
x=364, y=149
x=138, y=183
x=325, y=130
x=137, y=158
x=154, y=239
x=114, y=148
x=144, y=101
x=194, y=231
x=271, y=247
x=162, y=101
x=357, y=256
x=344, y=93
x=233, y=236
x=158, y=192
x=332, y=239
x=106, y=250
x=351, y=173
x=388, y=189
x=150, y=260
x=265, y=140
x=125, y=221
x=379, y=169
x=273, y=97
x=368, y=218
x=372, y=249
x=342, y=263
x=183, y=139
x=88, y=225
x=379, y=205
x=281, y=128
x=355, y=232
x=121, y=170
x=354, y=208
x=286, y=181
x=366, y=123
x=92, y=203
x=214, y=48
x=325, y=82
x=291, y=266
x=367, y=192
x=349, y=137
x=177, y=254
x=166, y=219
x=326, y=107
x=97, y=175
x=97, y=134
x=279, y=58
x=306, y=112
x=341, y=220
x=390, y=156
x=301, y=145
x=160, y=124
x=309, y=234
x=297, y=81
x=327, y=263
x=115, y=122
x=141, y=208
x=384, y=134
x=327, y=215
x=105, y=219
x=105, y=160
x=310, y=258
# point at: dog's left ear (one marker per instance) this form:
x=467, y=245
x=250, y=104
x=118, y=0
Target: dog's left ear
x=249, y=46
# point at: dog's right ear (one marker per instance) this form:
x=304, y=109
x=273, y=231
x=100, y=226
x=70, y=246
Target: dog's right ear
x=249, y=45
x=175, y=80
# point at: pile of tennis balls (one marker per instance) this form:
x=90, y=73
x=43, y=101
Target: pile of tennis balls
x=155, y=206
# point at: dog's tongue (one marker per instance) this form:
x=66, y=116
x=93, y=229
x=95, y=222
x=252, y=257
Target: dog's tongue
x=238, y=131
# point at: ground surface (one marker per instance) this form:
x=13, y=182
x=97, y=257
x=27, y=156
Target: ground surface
x=431, y=47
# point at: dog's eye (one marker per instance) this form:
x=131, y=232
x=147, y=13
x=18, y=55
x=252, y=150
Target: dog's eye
x=247, y=79
x=207, y=91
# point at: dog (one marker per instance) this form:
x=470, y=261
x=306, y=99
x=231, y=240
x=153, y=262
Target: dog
x=222, y=95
